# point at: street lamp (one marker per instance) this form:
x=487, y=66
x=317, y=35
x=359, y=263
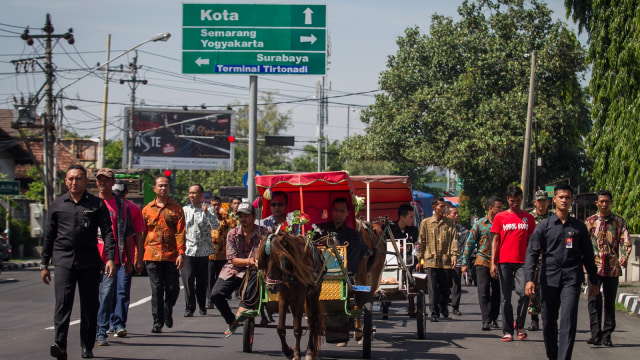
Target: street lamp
x=158, y=37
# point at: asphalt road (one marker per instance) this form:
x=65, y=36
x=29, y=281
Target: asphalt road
x=26, y=313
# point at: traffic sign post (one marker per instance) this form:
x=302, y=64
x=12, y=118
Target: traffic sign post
x=270, y=39
x=9, y=188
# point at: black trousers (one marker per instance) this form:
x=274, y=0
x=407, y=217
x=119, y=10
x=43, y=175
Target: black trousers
x=224, y=288
x=215, y=266
x=455, y=276
x=165, y=288
x=609, y=291
x=488, y=294
x=65, y=281
x=564, y=300
x=195, y=279
x=511, y=278
x=438, y=290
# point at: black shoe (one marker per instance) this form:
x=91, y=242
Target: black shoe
x=494, y=324
x=168, y=319
x=58, y=352
x=445, y=312
x=534, y=326
x=210, y=306
x=457, y=312
x=87, y=353
x=607, y=342
x=156, y=329
x=186, y=314
x=434, y=318
x=486, y=327
x=594, y=341
x=203, y=312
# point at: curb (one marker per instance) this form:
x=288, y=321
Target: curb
x=21, y=265
x=630, y=301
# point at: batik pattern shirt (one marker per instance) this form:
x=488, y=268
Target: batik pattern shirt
x=479, y=238
x=463, y=234
x=164, y=240
x=438, y=243
x=219, y=236
x=199, y=224
x=238, y=247
x=611, y=243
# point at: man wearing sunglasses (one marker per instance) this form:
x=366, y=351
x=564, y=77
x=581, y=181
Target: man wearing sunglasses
x=279, y=205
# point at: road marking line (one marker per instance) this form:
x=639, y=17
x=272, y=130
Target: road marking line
x=137, y=303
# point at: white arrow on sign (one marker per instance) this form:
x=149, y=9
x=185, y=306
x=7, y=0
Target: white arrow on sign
x=307, y=16
x=310, y=39
x=200, y=61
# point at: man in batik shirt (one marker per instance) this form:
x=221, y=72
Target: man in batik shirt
x=611, y=247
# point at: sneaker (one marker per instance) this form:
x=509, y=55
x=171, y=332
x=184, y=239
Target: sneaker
x=534, y=326
x=522, y=334
x=188, y=313
x=122, y=332
x=209, y=305
x=434, y=318
x=486, y=327
x=102, y=341
x=494, y=324
x=457, y=312
x=111, y=331
x=156, y=329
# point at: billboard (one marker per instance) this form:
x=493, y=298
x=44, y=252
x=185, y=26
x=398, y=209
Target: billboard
x=183, y=140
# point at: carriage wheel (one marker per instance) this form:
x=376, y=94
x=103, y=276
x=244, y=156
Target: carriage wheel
x=421, y=314
x=247, y=335
x=367, y=329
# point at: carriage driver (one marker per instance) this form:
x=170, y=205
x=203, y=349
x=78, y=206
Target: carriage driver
x=356, y=248
x=242, y=247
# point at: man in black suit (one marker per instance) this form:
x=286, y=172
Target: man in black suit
x=71, y=239
x=566, y=247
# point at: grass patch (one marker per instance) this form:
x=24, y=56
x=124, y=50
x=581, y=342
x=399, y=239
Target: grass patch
x=621, y=307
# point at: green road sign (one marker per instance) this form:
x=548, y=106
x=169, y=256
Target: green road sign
x=9, y=188
x=549, y=190
x=254, y=39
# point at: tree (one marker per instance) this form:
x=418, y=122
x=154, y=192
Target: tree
x=613, y=144
x=113, y=154
x=457, y=98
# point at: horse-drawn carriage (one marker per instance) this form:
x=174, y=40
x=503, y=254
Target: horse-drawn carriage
x=298, y=268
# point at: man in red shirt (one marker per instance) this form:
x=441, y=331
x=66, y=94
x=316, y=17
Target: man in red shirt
x=511, y=231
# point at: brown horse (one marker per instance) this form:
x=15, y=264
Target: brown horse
x=292, y=267
x=371, y=267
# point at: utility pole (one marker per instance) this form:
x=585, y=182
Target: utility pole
x=527, y=137
x=127, y=148
x=47, y=121
x=103, y=132
x=320, y=94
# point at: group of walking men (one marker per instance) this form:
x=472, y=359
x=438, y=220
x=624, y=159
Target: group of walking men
x=545, y=264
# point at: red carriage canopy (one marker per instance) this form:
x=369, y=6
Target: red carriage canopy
x=311, y=193
x=383, y=194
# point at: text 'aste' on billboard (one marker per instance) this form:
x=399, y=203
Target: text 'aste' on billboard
x=176, y=139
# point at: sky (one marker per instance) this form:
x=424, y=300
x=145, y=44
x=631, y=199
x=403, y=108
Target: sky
x=362, y=36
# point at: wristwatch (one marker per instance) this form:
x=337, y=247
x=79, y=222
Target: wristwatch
x=44, y=267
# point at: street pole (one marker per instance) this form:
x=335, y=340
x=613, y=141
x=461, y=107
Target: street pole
x=319, y=94
x=103, y=133
x=253, y=126
x=527, y=137
x=127, y=148
x=47, y=153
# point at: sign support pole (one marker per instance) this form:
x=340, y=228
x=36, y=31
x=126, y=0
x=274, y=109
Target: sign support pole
x=253, y=125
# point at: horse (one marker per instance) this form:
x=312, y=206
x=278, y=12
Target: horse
x=370, y=267
x=292, y=267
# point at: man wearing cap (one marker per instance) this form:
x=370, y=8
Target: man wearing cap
x=200, y=220
x=164, y=248
x=123, y=287
x=123, y=235
x=541, y=202
x=70, y=238
x=242, y=247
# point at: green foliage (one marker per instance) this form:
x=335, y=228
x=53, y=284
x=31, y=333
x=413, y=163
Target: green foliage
x=36, y=186
x=113, y=155
x=457, y=98
x=613, y=144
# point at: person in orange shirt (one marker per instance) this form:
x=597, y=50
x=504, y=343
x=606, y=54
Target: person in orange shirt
x=164, y=248
x=219, y=239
